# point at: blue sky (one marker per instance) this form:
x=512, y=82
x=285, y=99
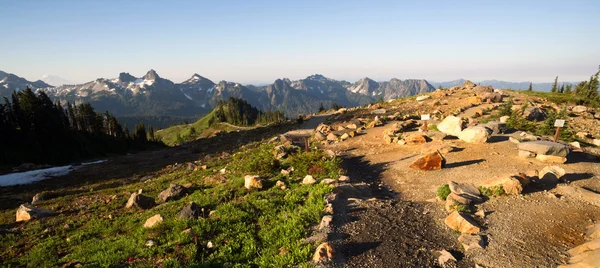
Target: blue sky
x=259, y=41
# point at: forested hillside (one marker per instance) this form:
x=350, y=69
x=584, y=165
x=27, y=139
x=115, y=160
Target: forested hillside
x=34, y=129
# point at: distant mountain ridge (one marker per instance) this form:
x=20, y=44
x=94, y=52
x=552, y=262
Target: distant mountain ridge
x=152, y=95
x=503, y=84
x=10, y=82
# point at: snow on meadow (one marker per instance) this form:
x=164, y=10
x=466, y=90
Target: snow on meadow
x=32, y=176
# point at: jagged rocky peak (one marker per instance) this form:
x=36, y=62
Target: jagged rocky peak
x=151, y=75
x=126, y=77
x=196, y=79
x=317, y=77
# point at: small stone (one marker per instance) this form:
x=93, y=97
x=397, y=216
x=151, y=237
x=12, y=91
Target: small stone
x=467, y=190
x=444, y=257
x=252, y=181
x=503, y=119
x=319, y=136
x=323, y=253
x=153, y=221
x=309, y=180
x=526, y=154
x=140, y=201
x=325, y=222
x=344, y=137
x=579, y=109
x=480, y=213
x=149, y=243
x=209, y=244
x=332, y=137
x=431, y=161
x=422, y=98
x=462, y=222
x=174, y=191
x=351, y=126
x=328, y=209
x=344, y=178
x=281, y=185
x=37, y=198
x=596, y=142
x=188, y=232
x=190, y=212
x=28, y=212
x=471, y=241
x=415, y=138
x=328, y=181
x=551, y=159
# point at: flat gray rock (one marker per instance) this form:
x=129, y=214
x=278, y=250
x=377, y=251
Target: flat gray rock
x=544, y=148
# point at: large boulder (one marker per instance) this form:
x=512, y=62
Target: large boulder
x=482, y=90
x=415, y=138
x=140, y=201
x=522, y=136
x=462, y=222
x=451, y=125
x=476, y=134
x=26, y=212
x=174, y=191
x=552, y=159
x=587, y=246
x=431, y=161
x=544, y=148
x=319, y=136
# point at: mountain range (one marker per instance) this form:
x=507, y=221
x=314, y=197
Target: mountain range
x=502, y=84
x=154, y=96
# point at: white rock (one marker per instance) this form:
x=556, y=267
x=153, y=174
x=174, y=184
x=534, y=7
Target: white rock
x=451, y=125
x=309, y=180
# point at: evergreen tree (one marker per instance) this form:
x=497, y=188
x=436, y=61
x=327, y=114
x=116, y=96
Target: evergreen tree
x=530, y=86
x=568, y=89
x=562, y=89
x=555, y=85
x=321, y=108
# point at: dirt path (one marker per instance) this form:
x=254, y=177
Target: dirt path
x=532, y=230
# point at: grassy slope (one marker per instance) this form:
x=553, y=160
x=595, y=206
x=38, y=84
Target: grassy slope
x=247, y=229
x=169, y=135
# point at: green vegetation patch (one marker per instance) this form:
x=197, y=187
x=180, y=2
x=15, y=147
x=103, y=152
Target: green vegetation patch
x=493, y=191
x=443, y=191
x=245, y=228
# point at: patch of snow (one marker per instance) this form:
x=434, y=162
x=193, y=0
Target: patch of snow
x=32, y=176
x=211, y=89
x=322, y=91
x=6, y=86
x=203, y=105
x=188, y=96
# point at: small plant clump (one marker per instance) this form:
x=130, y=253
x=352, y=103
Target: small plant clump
x=493, y=191
x=443, y=191
x=462, y=208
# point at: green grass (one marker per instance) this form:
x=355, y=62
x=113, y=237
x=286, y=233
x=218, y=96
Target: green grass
x=493, y=191
x=443, y=191
x=560, y=98
x=248, y=227
x=169, y=135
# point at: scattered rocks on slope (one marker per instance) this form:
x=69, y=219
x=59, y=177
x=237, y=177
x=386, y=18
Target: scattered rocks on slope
x=444, y=258
x=431, y=161
x=281, y=185
x=325, y=222
x=252, y=181
x=140, y=201
x=37, y=198
x=451, y=125
x=462, y=222
x=476, y=134
x=174, y=191
x=190, y=212
x=496, y=127
x=153, y=221
x=27, y=212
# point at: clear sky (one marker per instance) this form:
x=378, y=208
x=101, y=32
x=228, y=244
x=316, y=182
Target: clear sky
x=258, y=41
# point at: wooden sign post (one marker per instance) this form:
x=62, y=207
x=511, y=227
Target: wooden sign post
x=425, y=118
x=558, y=124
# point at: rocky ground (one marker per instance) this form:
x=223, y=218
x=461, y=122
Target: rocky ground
x=535, y=228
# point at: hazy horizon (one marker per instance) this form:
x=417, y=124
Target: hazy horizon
x=258, y=42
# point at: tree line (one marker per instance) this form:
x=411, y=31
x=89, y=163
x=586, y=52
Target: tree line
x=587, y=90
x=240, y=113
x=33, y=129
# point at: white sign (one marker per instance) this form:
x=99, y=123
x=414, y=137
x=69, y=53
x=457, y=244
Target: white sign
x=559, y=123
x=424, y=117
